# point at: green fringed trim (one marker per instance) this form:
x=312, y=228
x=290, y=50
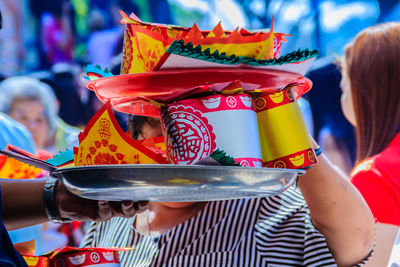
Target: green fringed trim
x=223, y=158
x=305, y=168
x=188, y=50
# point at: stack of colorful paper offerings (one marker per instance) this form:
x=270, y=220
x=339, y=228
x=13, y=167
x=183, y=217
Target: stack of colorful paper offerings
x=227, y=90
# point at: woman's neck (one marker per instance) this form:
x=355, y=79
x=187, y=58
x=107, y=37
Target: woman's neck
x=159, y=218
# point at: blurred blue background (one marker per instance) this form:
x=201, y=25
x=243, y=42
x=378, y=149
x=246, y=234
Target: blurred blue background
x=319, y=24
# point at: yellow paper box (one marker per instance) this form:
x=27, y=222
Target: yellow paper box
x=284, y=140
x=103, y=142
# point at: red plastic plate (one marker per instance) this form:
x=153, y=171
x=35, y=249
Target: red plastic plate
x=125, y=91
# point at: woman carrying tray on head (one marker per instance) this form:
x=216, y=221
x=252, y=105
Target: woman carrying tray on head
x=279, y=230
x=323, y=221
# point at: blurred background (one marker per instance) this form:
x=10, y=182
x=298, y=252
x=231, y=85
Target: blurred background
x=32, y=27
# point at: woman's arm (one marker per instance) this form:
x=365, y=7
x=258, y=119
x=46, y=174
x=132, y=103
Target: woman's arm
x=23, y=204
x=339, y=212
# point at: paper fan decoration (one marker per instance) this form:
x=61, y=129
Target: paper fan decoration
x=103, y=142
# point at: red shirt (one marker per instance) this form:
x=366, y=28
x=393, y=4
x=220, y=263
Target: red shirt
x=378, y=180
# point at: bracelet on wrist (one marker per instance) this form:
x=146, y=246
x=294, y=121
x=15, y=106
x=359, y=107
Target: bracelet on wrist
x=49, y=198
x=317, y=150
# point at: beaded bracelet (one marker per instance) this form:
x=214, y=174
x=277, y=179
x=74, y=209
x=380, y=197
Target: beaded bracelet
x=49, y=198
x=318, y=150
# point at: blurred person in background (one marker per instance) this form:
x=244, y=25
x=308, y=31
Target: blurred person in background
x=64, y=79
x=102, y=41
x=27, y=239
x=142, y=127
x=12, y=43
x=332, y=131
x=67, y=86
x=33, y=103
x=57, y=36
x=371, y=102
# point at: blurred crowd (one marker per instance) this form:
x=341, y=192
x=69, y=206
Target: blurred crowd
x=52, y=40
x=43, y=48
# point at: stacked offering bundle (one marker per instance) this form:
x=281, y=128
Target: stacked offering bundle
x=227, y=90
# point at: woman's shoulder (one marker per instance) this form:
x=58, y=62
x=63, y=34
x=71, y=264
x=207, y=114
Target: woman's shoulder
x=362, y=168
x=380, y=170
x=378, y=180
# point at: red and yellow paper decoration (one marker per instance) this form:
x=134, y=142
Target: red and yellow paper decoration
x=155, y=144
x=76, y=257
x=36, y=261
x=103, y=142
x=284, y=140
x=239, y=42
x=13, y=169
x=145, y=43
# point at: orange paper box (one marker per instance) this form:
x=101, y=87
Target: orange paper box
x=103, y=142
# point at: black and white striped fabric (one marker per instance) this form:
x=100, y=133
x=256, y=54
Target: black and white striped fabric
x=273, y=231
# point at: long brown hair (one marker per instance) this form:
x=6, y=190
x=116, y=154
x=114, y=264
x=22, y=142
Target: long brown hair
x=372, y=63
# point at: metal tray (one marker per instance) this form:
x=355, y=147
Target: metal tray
x=174, y=183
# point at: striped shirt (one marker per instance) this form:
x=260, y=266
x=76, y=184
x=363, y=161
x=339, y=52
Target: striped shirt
x=272, y=231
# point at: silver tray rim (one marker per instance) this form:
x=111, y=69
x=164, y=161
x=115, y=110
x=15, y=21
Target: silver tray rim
x=175, y=166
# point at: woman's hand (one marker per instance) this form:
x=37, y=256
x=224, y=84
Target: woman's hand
x=23, y=204
x=72, y=207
